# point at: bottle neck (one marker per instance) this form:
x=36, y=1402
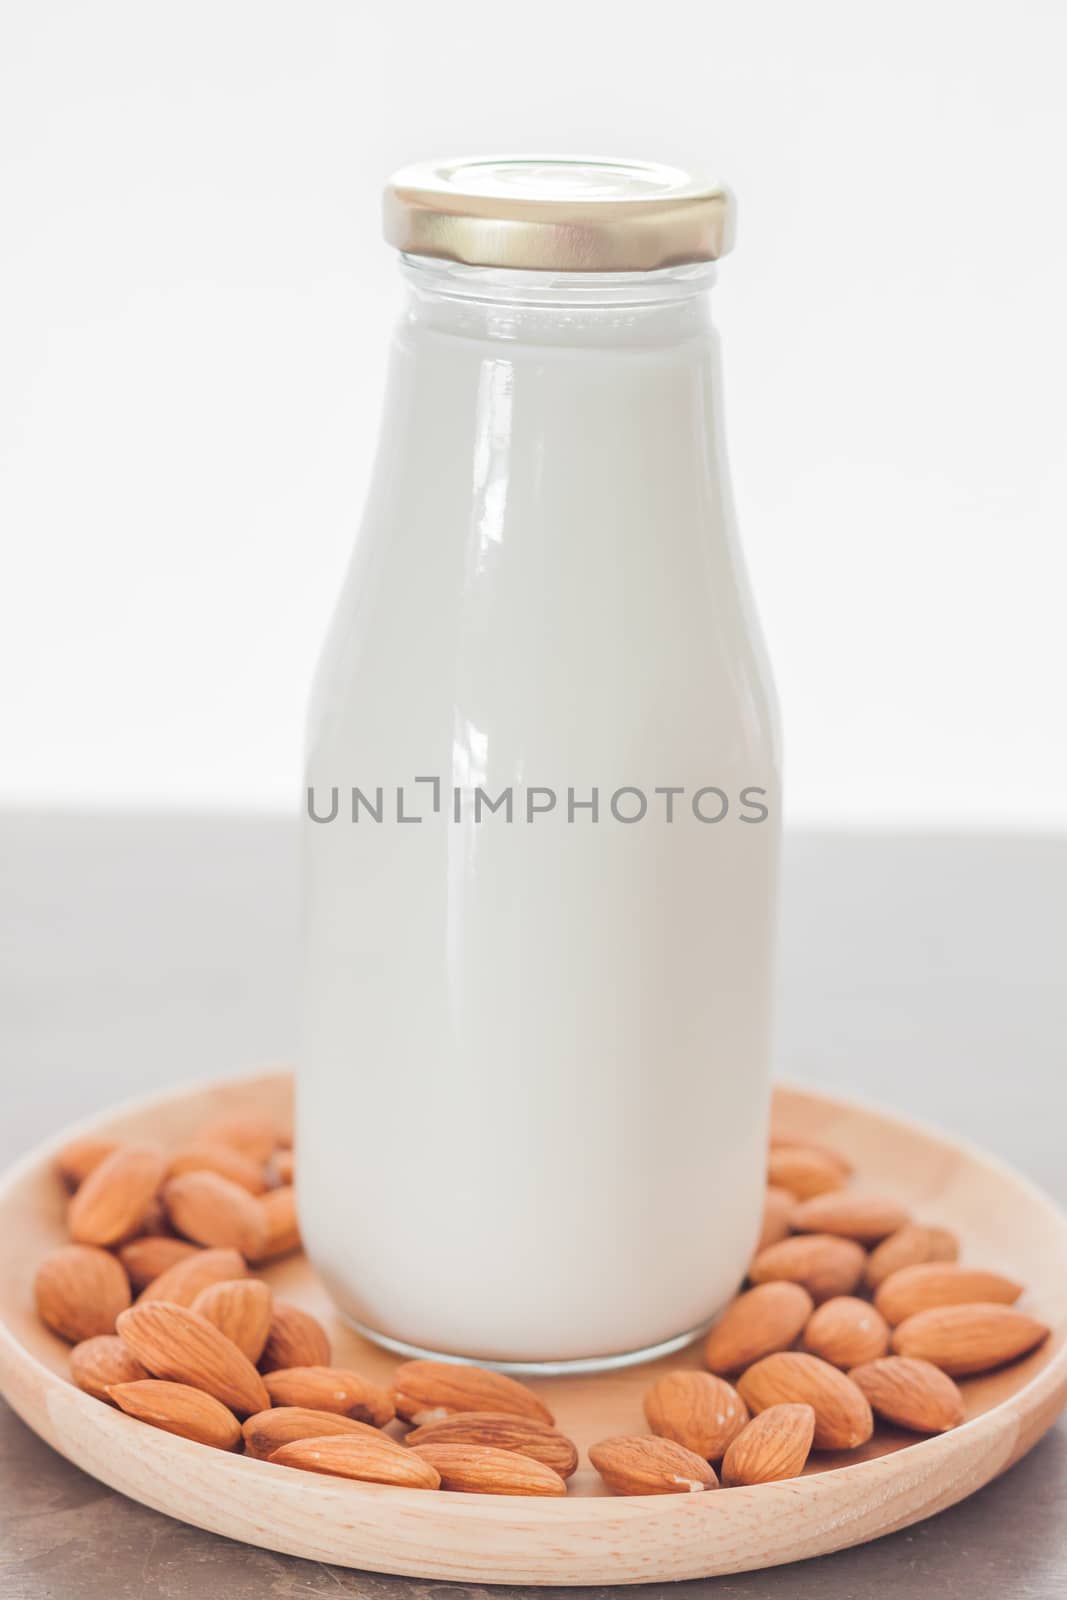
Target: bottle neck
x=572, y=308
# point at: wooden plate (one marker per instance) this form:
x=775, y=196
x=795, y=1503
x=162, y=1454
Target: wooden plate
x=590, y=1537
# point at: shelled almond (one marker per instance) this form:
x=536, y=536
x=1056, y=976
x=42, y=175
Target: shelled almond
x=636, y=1465
x=80, y=1291
x=178, y=1408
x=910, y=1246
x=703, y=1413
x=375, y=1459
x=940, y=1283
x=774, y=1445
x=240, y=1308
x=846, y=1331
x=295, y=1339
x=486, y=1469
x=98, y=1363
x=330, y=1389
x=504, y=1431
x=852, y=1311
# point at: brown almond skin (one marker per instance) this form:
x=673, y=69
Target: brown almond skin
x=865, y=1218
x=423, y=1391
x=941, y=1283
x=114, y=1197
x=180, y=1284
x=296, y=1339
x=822, y=1264
x=803, y=1171
x=282, y=1230
x=177, y=1408
x=778, y=1207
x=212, y=1211
x=79, y=1157
x=330, y=1389
x=775, y=1445
x=254, y=1136
x=846, y=1331
x=503, y=1431
x=371, y=1460
x=220, y=1158
x=80, y=1291
x=910, y=1393
x=639, y=1465
x=701, y=1412
x=97, y=1363
x=177, y=1343
x=146, y=1257
x=484, y=1469
x=843, y=1419
x=267, y=1431
x=965, y=1339
x=768, y=1318
x=909, y=1247
x=781, y=1140
x=241, y=1309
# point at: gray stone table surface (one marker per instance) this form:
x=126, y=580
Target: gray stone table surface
x=926, y=972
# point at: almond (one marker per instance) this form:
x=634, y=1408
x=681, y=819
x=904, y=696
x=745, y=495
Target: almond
x=97, y=1363
x=639, y=1465
x=756, y=1324
x=267, y=1431
x=176, y=1408
x=824, y=1265
x=846, y=1332
x=152, y=1254
x=116, y=1194
x=843, y=1419
x=253, y=1136
x=179, y=1344
x=777, y=1209
x=80, y=1291
x=503, y=1431
x=908, y=1247
x=241, y=1309
x=803, y=1171
x=153, y=1223
x=376, y=1459
x=483, y=1469
x=863, y=1217
x=296, y=1339
x=284, y=1166
x=214, y=1211
x=969, y=1338
x=774, y=1445
x=781, y=1140
x=423, y=1391
x=278, y=1210
x=220, y=1158
x=78, y=1158
x=330, y=1389
x=181, y=1283
x=703, y=1413
x=941, y=1283
x=910, y=1393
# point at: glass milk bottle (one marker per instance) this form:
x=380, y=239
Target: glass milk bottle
x=543, y=803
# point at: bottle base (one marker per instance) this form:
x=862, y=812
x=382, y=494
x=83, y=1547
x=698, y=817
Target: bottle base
x=532, y=1369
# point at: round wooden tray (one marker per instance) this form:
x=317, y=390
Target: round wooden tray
x=591, y=1537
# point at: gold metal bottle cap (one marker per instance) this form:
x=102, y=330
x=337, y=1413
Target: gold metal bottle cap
x=558, y=214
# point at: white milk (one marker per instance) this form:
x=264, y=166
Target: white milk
x=534, y=1079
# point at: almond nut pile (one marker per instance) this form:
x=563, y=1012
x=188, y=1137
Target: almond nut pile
x=854, y=1313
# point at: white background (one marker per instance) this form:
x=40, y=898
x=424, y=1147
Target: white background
x=195, y=309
